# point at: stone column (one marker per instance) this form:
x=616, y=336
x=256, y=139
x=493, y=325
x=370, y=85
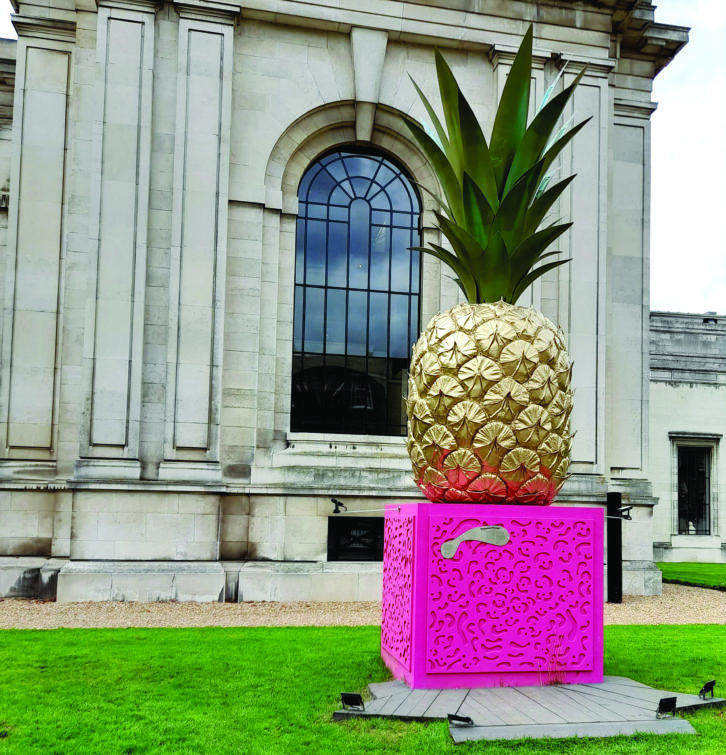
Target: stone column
x=118, y=221
x=34, y=269
x=199, y=241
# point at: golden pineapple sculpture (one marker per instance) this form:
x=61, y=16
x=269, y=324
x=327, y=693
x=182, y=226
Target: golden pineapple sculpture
x=489, y=392
x=489, y=406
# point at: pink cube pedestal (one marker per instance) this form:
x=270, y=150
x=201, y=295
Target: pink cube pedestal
x=527, y=612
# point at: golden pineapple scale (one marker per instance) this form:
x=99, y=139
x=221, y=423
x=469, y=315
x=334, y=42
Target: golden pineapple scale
x=489, y=404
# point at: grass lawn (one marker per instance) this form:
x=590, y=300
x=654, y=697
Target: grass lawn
x=260, y=690
x=703, y=575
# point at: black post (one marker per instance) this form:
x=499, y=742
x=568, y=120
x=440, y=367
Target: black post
x=615, y=548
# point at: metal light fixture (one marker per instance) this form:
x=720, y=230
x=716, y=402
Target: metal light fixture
x=455, y=720
x=338, y=505
x=707, y=687
x=666, y=707
x=352, y=701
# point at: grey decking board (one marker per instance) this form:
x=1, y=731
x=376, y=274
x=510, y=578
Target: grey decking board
x=624, y=680
x=556, y=731
x=539, y=713
x=610, y=697
x=386, y=689
x=416, y=704
x=496, y=710
x=390, y=704
x=495, y=700
x=548, y=698
x=607, y=708
x=481, y=715
x=447, y=701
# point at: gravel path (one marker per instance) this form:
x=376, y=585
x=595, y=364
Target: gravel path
x=677, y=605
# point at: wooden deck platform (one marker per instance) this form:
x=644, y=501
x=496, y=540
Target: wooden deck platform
x=617, y=706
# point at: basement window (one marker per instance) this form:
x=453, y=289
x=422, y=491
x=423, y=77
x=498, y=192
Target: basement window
x=355, y=538
x=695, y=503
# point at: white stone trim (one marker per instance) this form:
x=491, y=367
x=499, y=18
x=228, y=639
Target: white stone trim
x=40, y=441
x=701, y=440
x=187, y=438
x=112, y=403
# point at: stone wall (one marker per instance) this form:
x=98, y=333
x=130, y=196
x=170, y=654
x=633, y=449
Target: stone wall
x=688, y=395
x=146, y=360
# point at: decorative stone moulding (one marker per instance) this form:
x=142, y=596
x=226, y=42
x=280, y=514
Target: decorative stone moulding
x=478, y=595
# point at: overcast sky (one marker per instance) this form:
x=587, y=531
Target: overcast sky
x=688, y=223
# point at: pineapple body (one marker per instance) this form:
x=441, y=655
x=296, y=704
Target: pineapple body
x=489, y=403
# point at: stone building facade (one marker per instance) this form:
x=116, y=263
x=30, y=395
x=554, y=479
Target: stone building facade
x=152, y=157
x=687, y=425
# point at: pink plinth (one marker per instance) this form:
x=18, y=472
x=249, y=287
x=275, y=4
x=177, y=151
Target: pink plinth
x=526, y=613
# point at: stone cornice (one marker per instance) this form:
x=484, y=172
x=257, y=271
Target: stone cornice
x=634, y=108
x=640, y=37
x=60, y=30
x=205, y=10
x=139, y=6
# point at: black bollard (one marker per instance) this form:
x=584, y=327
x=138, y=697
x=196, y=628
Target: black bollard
x=615, y=548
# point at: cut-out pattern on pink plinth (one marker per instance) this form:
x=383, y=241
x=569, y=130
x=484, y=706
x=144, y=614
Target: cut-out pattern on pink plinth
x=398, y=580
x=524, y=606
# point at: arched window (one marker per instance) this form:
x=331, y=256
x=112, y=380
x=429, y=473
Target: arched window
x=356, y=295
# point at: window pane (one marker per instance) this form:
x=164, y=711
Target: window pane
x=314, y=311
x=401, y=260
x=335, y=322
x=315, y=252
x=380, y=257
x=337, y=254
x=340, y=197
x=359, y=243
x=360, y=186
x=415, y=328
x=400, y=198
x=378, y=326
x=300, y=251
x=298, y=329
x=380, y=201
x=694, y=490
x=336, y=169
x=321, y=188
x=415, y=269
x=357, y=321
x=319, y=211
x=358, y=165
x=400, y=347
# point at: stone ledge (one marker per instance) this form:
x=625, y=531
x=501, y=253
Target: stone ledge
x=308, y=581
x=29, y=577
x=143, y=581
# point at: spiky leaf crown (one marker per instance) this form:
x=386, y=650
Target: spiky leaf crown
x=495, y=193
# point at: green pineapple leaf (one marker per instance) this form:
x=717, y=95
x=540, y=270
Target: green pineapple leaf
x=513, y=209
x=477, y=211
x=476, y=157
x=510, y=122
x=497, y=193
x=440, y=130
x=525, y=282
x=552, y=152
x=442, y=167
x=449, y=91
x=493, y=273
x=537, y=135
x=531, y=250
x=465, y=280
x=543, y=204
